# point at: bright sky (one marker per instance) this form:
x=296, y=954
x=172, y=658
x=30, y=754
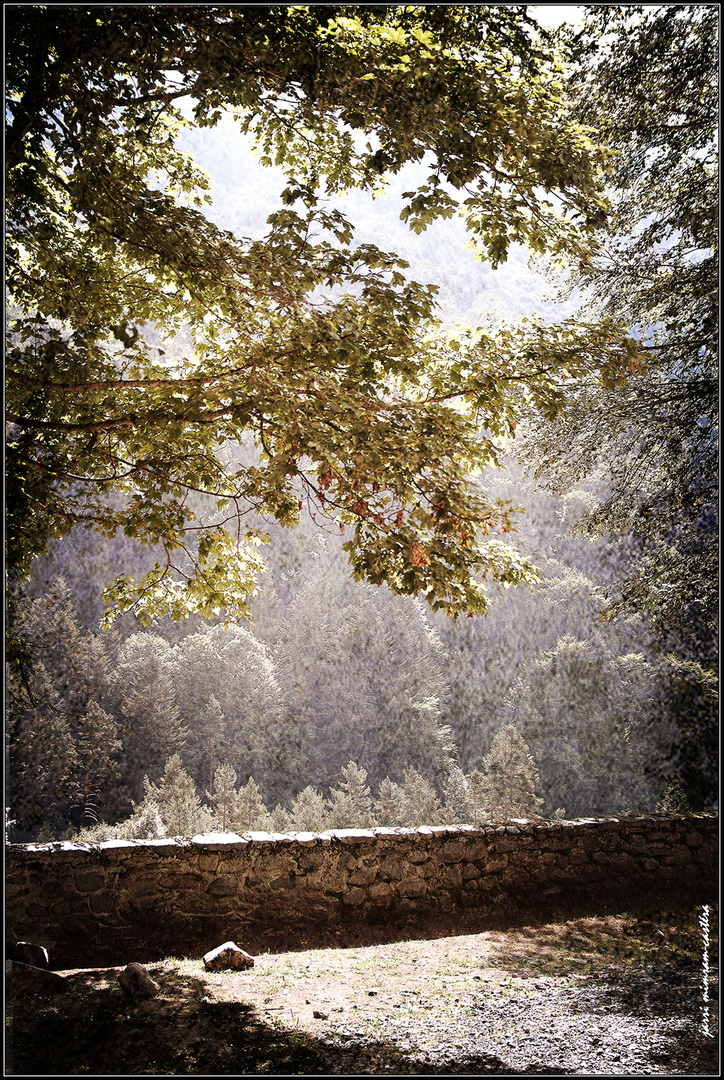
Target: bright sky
x=552, y=15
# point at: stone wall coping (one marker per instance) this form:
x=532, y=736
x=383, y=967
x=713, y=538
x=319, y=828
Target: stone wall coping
x=217, y=839
x=170, y=842
x=306, y=838
x=110, y=845
x=226, y=841
x=57, y=845
x=351, y=836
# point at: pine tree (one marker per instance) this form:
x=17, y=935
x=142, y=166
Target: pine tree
x=241, y=723
x=211, y=735
x=362, y=675
x=145, y=823
x=96, y=746
x=224, y=794
x=510, y=777
x=42, y=756
x=178, y=803
x=249, y=812
x=61, y=738
x=595, y=726
x=418, y=801
x=309, y=813
x=387, y=804
x=144, y=697
x=456, y=795
x=477, y=802
x=279, y=820
x=350, y=805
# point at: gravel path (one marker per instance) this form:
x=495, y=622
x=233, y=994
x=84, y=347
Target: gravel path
x=593, y=996
x=547, y=1025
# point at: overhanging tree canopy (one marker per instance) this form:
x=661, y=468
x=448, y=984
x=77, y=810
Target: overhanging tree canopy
x=361, y=406
x=649, y=80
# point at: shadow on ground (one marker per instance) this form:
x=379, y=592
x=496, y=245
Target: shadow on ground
x=95, y=1028
x=631, y=966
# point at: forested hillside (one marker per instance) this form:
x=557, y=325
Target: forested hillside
x=304, y=533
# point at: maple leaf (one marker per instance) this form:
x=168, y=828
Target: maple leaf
x=419, y=558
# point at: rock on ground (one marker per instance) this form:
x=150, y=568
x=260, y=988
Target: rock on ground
x=26, y=979
x=25, y=952
x=137, y=983
x=228, y=957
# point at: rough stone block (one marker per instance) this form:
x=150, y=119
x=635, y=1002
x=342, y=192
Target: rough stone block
x=454, y=876
x=26, y=952
x=364, y=876
x=89, y=882
x=136, y=982
x=282, y=883
x=354, y=897
x=493, y=865
x=354, y=836
x=502, y=846
x=621, y=862
x=566, y=873
x=217, y=840
x=307, y=839
x=101, y=904
x=311, y=860
x=452, y=853
x=21, y=979
x=558, y=843
x=678, y=855
x=430, y=868
x=35, y=911
x=391, y=869
x=223, y=886
x=417, y=856
x=208, y=863
x=228, y=957
x=515, y=877
x=412, y=887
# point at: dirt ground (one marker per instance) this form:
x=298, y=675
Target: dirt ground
x=618, y=994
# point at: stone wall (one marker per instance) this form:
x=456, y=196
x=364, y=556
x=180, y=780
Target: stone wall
x=122, y=900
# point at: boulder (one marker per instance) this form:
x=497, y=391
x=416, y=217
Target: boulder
x=136, y=982
x=26, y=979
x=25, y=952
x=228, y=957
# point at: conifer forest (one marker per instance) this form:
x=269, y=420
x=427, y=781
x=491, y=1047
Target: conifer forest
x=361, y=416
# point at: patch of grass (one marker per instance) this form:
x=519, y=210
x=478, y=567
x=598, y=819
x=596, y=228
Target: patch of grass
x=456, y=966
x=593, y=944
